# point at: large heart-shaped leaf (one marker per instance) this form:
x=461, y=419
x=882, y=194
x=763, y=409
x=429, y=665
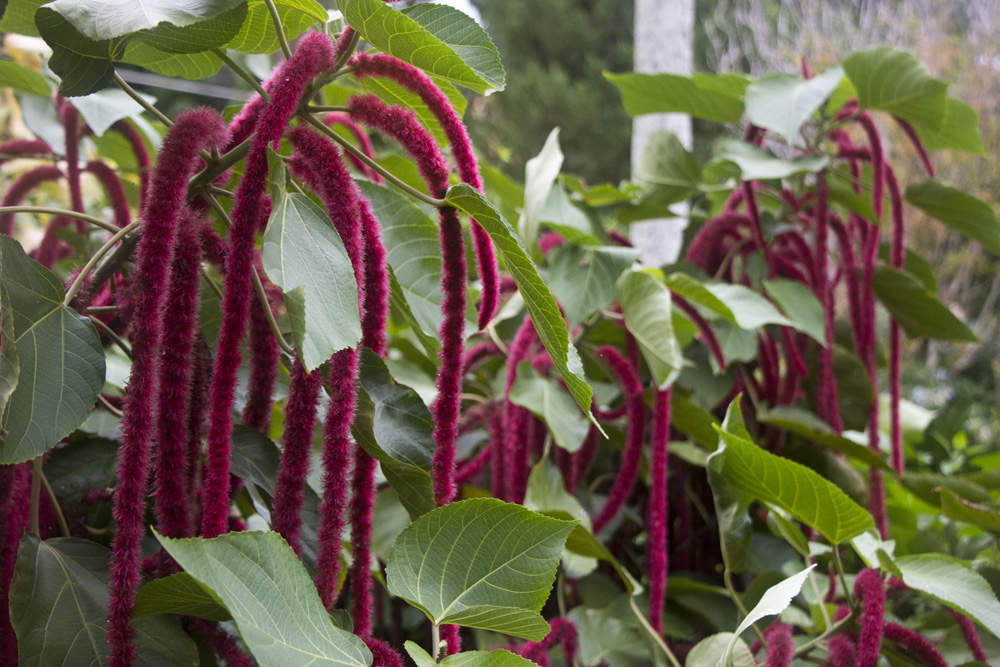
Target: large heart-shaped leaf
x=800, y=305
x=304, y=256
x=258, y=578
x=645, y=304
x=791, y=486
x=716, y=97
x=553, y=405
x=58, y=603
x=103, y=109
x=668, y=173
x=480, y=563
x=952, y=582
x=258, y=34
x=968, y=215
x=19, y=18
x=783, y=102
x=541, y=304
x=893, y=80
x=959, y=131
x=19, y=77
x=191, y=66
x=10, y=365
x=915, y=309
x=583, y=277
x=60, y=356
x=438, y=39
x=178, y=594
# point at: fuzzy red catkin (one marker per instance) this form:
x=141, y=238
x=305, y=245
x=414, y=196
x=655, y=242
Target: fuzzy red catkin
x=842, y=650
x=707, y=334
x=868, y=588
x=635, y=418
x=19, y=189
x=968, y=629
x=222, y=644
x=562, y=631
x=313, y=55
x=375, y=319
x=505, y=457
x=197, y=406
x=911, y=134
x=479, y=353
x=70, y=119
x=138, y=146
x=878, y=161
x=178, y=158
x=826, y=394
x=913, y=642
x=656, y=548
x=897, y=255
x=300, y=421
x=581, y=461
x=417, y=82
x=180, y=328
x=114, y=191
x=364, y=141
x=23, y=148
x=383, y=654
x=265, y=355
x=707, y=249
x=780, y=645
x=13, y=521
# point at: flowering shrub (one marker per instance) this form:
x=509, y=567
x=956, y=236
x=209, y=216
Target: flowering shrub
x=322, y=402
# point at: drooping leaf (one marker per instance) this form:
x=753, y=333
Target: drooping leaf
x=60, y=357
x=952, y=582
x=783, y=102
x=539, y=300
x=889, y=79
x=553, y=405
x=608, y=637
x=693, y=290
x=756, y=164
x=19, y=77
x=178, y=594
x=480, y=563
x=492, y=658
x=304, y=256
x=583, y=277
x=668, y=173
x=789, y=485
x=710, y=651
x=954, y=506
x=959, y=131
x=915, y=309
x=10, y=366
x=709, y=97
x=102, y=109
x=258, y=578
x=540, y=174
x=731, y=503
x=810, y=427
x=694, y=421
x=258, y=35
x=395, y=427
x=645, y=304
x=913, y=264
x=750, y=310
x=966, y=214
x=438, y=39
x=61, y=584
x=800, y=305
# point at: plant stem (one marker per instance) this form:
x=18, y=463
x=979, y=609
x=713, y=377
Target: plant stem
x=106, y=404
x=101, y=310
x=242, y=73
x=435, y=641
x=358, y=153
x=211, y=283
x=56, y=509
x=819, y=598
x=141, y=101
x=110, y=333
x=81, y=277
x=830, y=631
x=212, y=171
x=36, y=485
x=50, y=210
x=276, y=20
x=323, y=108
x=727, y=576
x=653, y=633
x=265, y=304
x=839, y=564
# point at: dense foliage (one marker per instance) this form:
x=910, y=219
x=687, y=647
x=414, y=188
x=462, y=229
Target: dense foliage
x=318, y=404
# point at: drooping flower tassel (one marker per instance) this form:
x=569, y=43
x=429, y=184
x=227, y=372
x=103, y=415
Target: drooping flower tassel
x=916, y=644
x=265, y=355
x=506, y=458
x=70, y=119
x=656, y=547
x=897, y=255
x=869, y=590
x=113, y=189
x=20, y=189
x=13, y=521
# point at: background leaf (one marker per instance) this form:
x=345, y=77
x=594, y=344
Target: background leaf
x=783, y=102
x=959, y=131
x=892, y=80
x=668, y=173
x=553, y=405
x=540, y=174
x=756, y=164
x=951, y=582
x=968, y=215
x=646, y=306
x=583, y=277
x=481, y=563
x=706, y=96
x=915, y=309
x=774, y=601
x=178, y=594
x=258, y=35
x=19, y=77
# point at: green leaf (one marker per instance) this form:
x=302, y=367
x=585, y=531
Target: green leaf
x=694, y=421
x=61, y=584
x=646, y=306
x=395, y=427
x=750, y=310
x=19, y=77
x=88, y=464
x=492, y=658
x=10, y=366
x=954, y=506
x=892, y=80
x=439, y=40
x=20, y=17
x=968, y=215
x=801, y=307
x=259, y=579
x=913, y=264
x=258, y=34
x=960, y=130
x=413, y=250
x=609, y=637
x=731, y=503
x=178, y=594
x=842, y=192
x=710, y=651
x=583, y=277
x=695, y=291
x=951, y=582
x=497, y=578
x=810, y=427
x=553, y=405
x=539, y=300
x=774, y=601
x=191, y=66
x=60, y=356
x=86, y=36
x=540, y=174
x=104, y=108
x=783, y=103
x=709, y=97
x=302, y=251
x=915, y=309
x=789, y=485
x=756, y=164
x=668, y=173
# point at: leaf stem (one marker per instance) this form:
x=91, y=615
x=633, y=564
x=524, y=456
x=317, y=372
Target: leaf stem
x=81, y=277
x=819, y=598
x=36, y=485
x=276, y=20
x=653, y=633
x=56, y=508
x=435, y=641
x=242, y=73
x=273, y=323
x=358, y=153
x=212, y=171
x=106, y=404
x=50, y=210
x=830, y=631
x=839, y=564
x=323, y=108
x=110, y=333
x=141, y=101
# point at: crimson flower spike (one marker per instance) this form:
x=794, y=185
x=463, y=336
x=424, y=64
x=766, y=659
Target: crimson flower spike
x=265, y=355
x=914, y=138
x=897, y=254
x=506, y=458
x=869, y=590
x=70, y=119
x=417, y=82
x=337, y=118
x=780, y=645
x=827, y=386
x=113, y=189
x=913, y=642
x=313, y=55
x=21, y=188
x=656, y=549
x=968, y=629
x=13, y=521
x=16, y=148
x=635, y=418
x=192, y=131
